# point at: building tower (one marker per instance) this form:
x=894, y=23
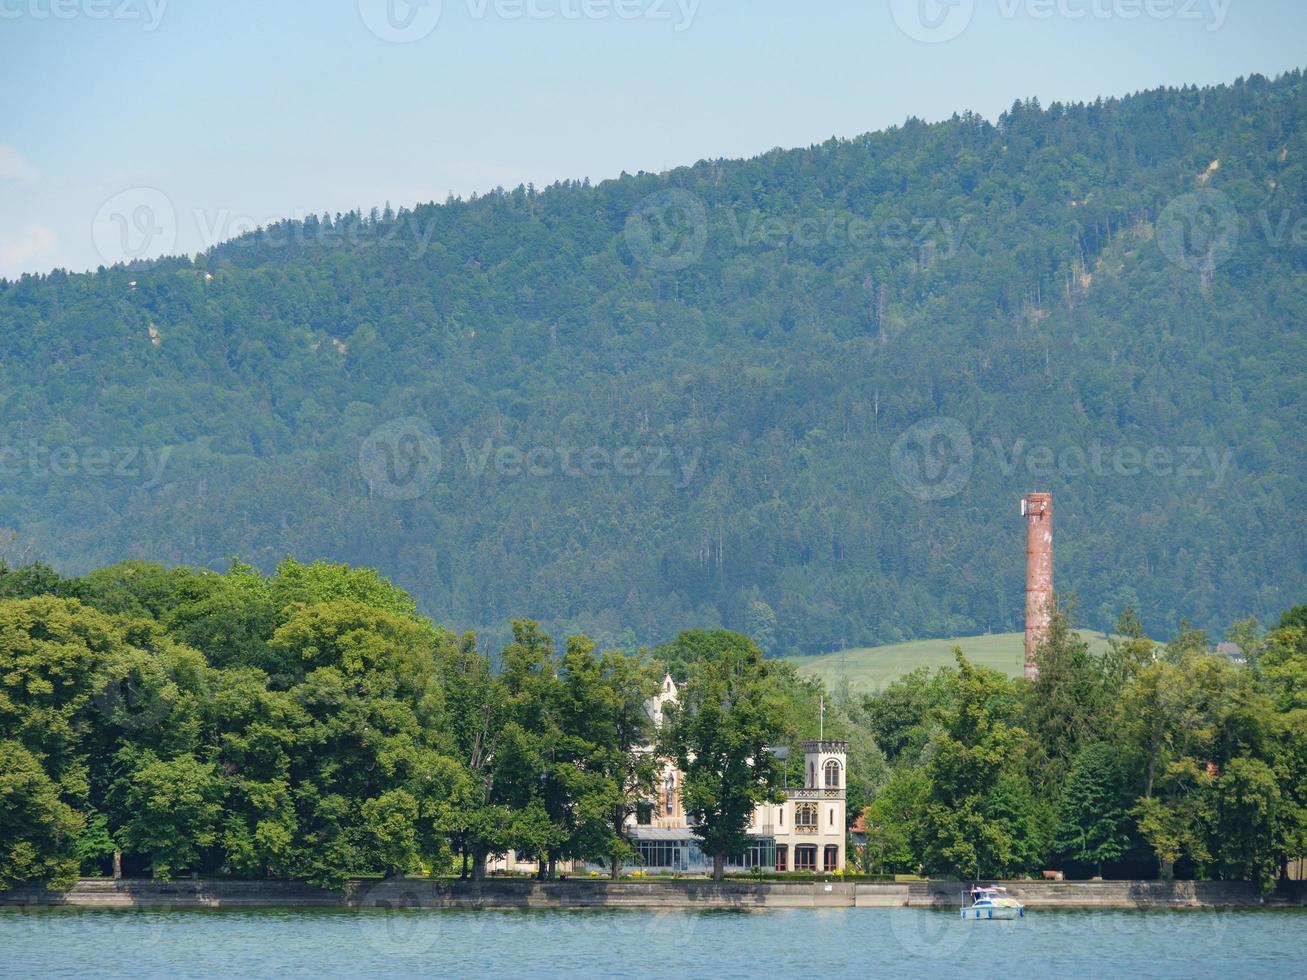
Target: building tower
x=818, y=826
x=825, y=761
x=1037, y=509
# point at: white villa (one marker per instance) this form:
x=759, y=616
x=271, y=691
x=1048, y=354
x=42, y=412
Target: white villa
x=804, y=833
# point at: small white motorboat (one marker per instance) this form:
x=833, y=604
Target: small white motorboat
x=991, y=902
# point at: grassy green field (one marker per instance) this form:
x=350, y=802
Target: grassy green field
x=871, y=668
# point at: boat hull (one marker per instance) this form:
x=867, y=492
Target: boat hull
x=984, y=912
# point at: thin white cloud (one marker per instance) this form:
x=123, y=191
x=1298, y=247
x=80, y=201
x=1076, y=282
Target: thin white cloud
x=31, y=250
x=15, y=166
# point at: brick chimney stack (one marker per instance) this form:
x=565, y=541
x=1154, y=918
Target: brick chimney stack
x=1037, y=509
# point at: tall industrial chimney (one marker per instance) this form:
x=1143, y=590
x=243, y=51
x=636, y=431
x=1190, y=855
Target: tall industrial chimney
x=1037, y=509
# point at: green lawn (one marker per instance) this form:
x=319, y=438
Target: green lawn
x=871, y=668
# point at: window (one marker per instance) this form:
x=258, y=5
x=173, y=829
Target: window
x=832, y=816
x=805, y=857
x=832, y=775
x=831, y=859
x=670, y=787
x=806, y=816
x=661, y=853
x=782, y=857
x=782, y=816
x=760, y=855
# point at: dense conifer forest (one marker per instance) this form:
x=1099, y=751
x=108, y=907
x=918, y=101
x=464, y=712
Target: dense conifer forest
x=797, y=396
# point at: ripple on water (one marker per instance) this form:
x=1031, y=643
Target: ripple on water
x=642, y=943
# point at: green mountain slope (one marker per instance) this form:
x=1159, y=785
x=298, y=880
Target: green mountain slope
x=799, y=395
x=868, y=669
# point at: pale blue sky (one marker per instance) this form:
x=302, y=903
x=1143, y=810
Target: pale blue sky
x=220, y=114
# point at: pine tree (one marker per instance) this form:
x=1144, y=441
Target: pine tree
x=1093, y=818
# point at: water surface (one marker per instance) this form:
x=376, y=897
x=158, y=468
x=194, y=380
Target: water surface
x=777, y=943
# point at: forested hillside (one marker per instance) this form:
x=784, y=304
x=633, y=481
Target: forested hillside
x=799, y=395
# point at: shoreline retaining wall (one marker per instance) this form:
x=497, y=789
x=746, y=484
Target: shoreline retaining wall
x=682, y=894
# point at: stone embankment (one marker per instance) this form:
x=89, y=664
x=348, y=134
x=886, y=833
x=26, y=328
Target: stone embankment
x=681, y=894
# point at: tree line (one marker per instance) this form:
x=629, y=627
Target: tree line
x=309, y=724
x=1149, y=759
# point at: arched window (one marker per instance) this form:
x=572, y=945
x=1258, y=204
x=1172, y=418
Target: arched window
x=832, y=775
x=806, y=816
x=670, y=787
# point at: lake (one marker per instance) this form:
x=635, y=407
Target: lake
x=777, y=943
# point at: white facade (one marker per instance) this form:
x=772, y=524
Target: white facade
x=805, y=832
x=808, y=828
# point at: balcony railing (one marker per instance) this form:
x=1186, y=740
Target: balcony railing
x=815, y=794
